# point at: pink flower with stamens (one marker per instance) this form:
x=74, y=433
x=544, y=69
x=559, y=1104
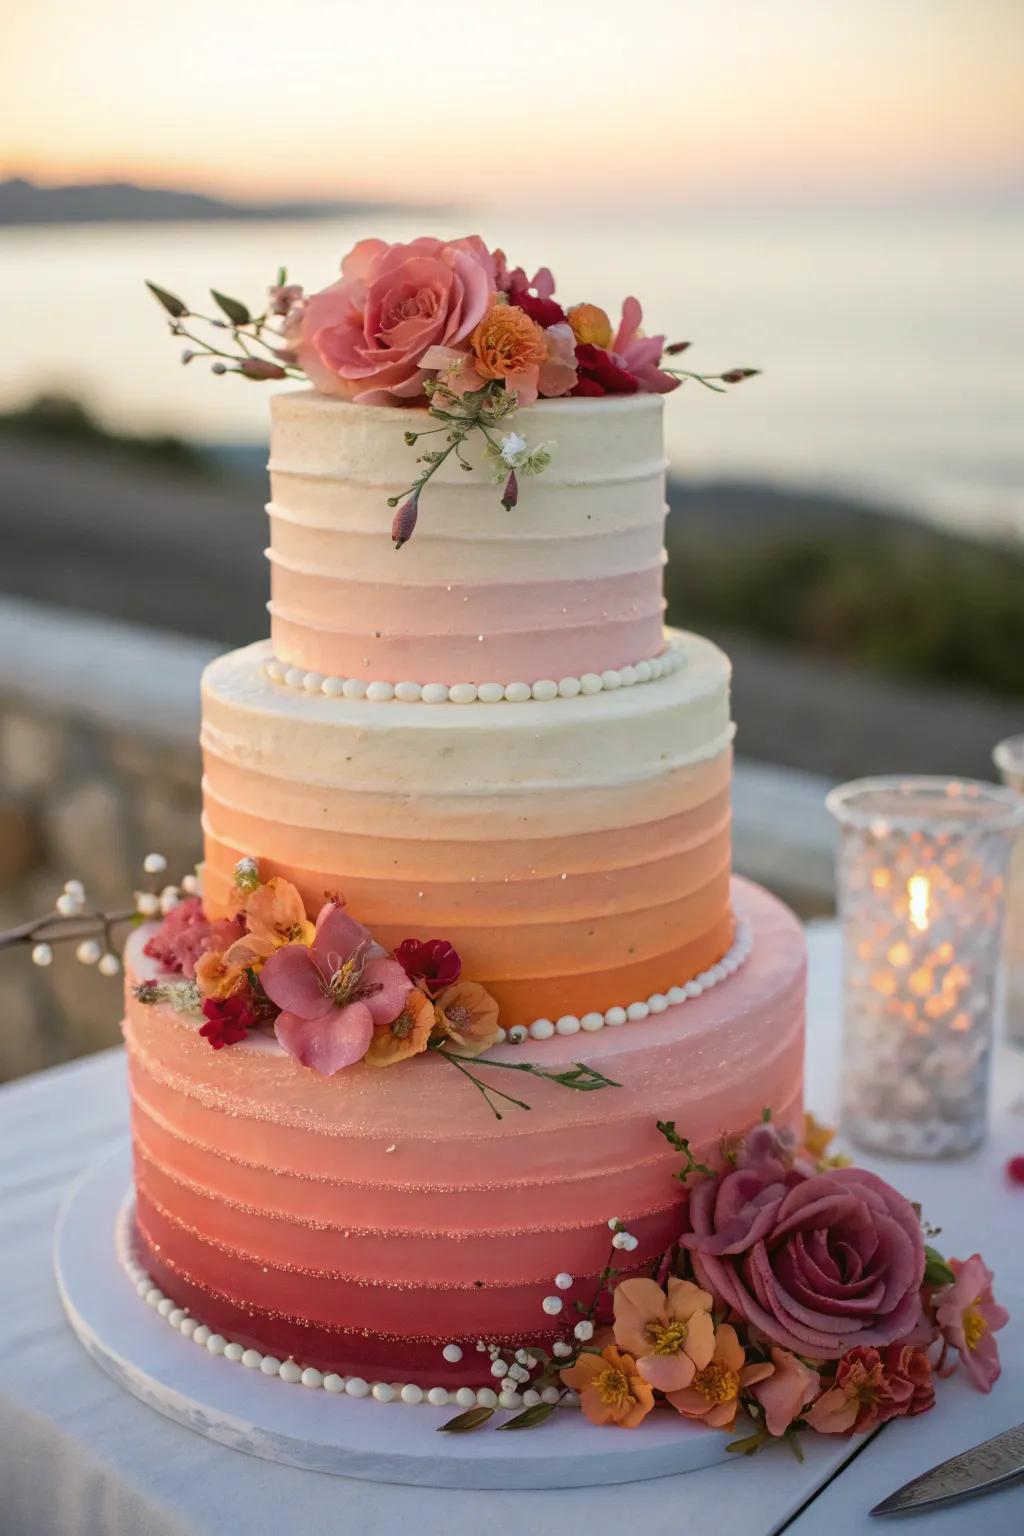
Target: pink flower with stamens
x=968, y=1315
x=333, y=993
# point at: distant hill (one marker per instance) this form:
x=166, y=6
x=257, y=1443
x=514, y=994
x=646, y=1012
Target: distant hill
x=23, y=202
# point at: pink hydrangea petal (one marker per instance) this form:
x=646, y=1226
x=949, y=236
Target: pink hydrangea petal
x=292, y=979
x=338, y=1039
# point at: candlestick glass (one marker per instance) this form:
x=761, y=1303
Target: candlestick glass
x=922, y=895
x=1009, y=759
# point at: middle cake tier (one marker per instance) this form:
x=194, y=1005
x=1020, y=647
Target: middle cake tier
x=575, y=851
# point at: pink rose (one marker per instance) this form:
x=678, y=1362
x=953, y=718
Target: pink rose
x=816, y=1262
x=364, y=337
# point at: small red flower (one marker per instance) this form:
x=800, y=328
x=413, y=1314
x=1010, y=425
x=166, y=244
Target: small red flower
x=601, y=374
x=431, y=961
x=540, y=307
x=228, y=1020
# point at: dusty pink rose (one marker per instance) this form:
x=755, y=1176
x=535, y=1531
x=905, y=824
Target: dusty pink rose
x=784, y=1394
x=640, y=354
x=968, y=1315
x=817, y=1262
x=333, y=993
x=186, y=934
x=364, y=337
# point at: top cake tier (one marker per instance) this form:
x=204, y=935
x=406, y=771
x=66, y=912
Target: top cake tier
x=567, y=583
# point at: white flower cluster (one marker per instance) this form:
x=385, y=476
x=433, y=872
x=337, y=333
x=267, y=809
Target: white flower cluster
x=513, y=452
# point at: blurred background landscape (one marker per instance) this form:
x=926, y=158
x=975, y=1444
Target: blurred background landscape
x=832, y=194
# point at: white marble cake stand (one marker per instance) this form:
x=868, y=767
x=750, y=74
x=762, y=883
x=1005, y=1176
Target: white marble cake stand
x=263, y=1416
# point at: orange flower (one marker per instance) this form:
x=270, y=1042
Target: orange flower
x=507, y=343
x=672, y=1336
x=713, y=1394
x=610, y=1390
x=590, y=325
x=275, y=915
x=405, y=1036
x=217, y=975
x=467, y=1017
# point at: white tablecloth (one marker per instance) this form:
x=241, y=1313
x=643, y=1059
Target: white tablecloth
x=79, y=1457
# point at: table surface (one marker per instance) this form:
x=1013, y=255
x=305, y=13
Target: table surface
x=79, y=1457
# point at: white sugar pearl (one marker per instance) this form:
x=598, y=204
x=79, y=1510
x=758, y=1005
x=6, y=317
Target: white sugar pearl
x=176, y=1316
x=552, y=1305
x=569, y=687
x=705, y=979
x=568, y=1024
x=592, y=1022
x=109, y=965
x=411, y=1393
x=408, y=693
x=68, y=905
x=435, y=693
x=154, y=863
x=233, y=1352
x=657, y=1002
x=465, y=1397
x=517, y=1034
x=563, y=1280
x=290, y=1372
x=333, y=1383
x=165, y=1307
x=333, y=687
x=490, y=693
x=561, y=1349
x=628, y=676
x=146, y=903
x=676, y=995
x=487, y=1397
x=499, y=1367
x=201, y=1335
x=517, y=693
x=517, y=1374
x=380, y=692
x=270, y=1365
x=313, y=682
x=383, y=1392
x=42, y=955
x=354, y=688
x=637, y=1011
x=591, y=682
x=74, y=888
x=643, y=671
x=357, y=1387
x=509, y=1398
x=143, y=1286
x=462, y=693
x=584, y=1331
x=437, y=1397
x=615, y=1016
x=542, y=1029
x=611, y=679
x=312, y=1378
x=693, y=989
x=252, y=1359
x=546, y=688
x=550, y=1394
x=452, y=1353
x=154, y=1296
x=216, y=1344
x=293, y=677
x=170, y=897
x=531, y=1398
x=188, y=1327
x=613, y=1223
x=89, y=951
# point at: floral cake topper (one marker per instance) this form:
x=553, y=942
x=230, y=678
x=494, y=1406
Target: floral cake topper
x=447, y=325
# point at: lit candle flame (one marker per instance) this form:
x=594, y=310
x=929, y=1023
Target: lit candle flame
x=919, y=892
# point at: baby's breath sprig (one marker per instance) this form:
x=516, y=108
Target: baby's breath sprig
x=260, y=350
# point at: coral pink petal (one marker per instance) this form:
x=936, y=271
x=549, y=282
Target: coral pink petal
x=338, y=936
x=337, y=1039
x=395, y=986
x=292, y=979
x=632, y=315
x=667, y=1373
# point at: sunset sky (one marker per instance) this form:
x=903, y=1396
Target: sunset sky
x=539, y=100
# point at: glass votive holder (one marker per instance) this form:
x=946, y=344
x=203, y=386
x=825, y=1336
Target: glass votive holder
x=1009, y=759
x=922, y=895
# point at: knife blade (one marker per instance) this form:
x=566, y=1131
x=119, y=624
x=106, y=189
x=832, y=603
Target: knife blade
x=988, y=1465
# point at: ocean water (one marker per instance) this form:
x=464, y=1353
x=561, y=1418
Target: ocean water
x=892, y=342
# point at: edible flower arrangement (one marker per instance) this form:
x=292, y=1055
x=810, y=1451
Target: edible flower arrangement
x=331, y=995
x=799, y=1291
x=447, y=325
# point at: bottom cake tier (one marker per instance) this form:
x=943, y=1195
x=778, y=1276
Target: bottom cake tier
x=363, y=1223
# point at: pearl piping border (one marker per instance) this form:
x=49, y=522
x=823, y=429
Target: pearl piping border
x=658, y=1002
x=671, y=659
x=291, y=1373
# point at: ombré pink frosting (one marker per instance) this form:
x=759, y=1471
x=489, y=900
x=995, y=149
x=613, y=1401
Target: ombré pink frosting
x=361, y=1222
x=568, y=583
